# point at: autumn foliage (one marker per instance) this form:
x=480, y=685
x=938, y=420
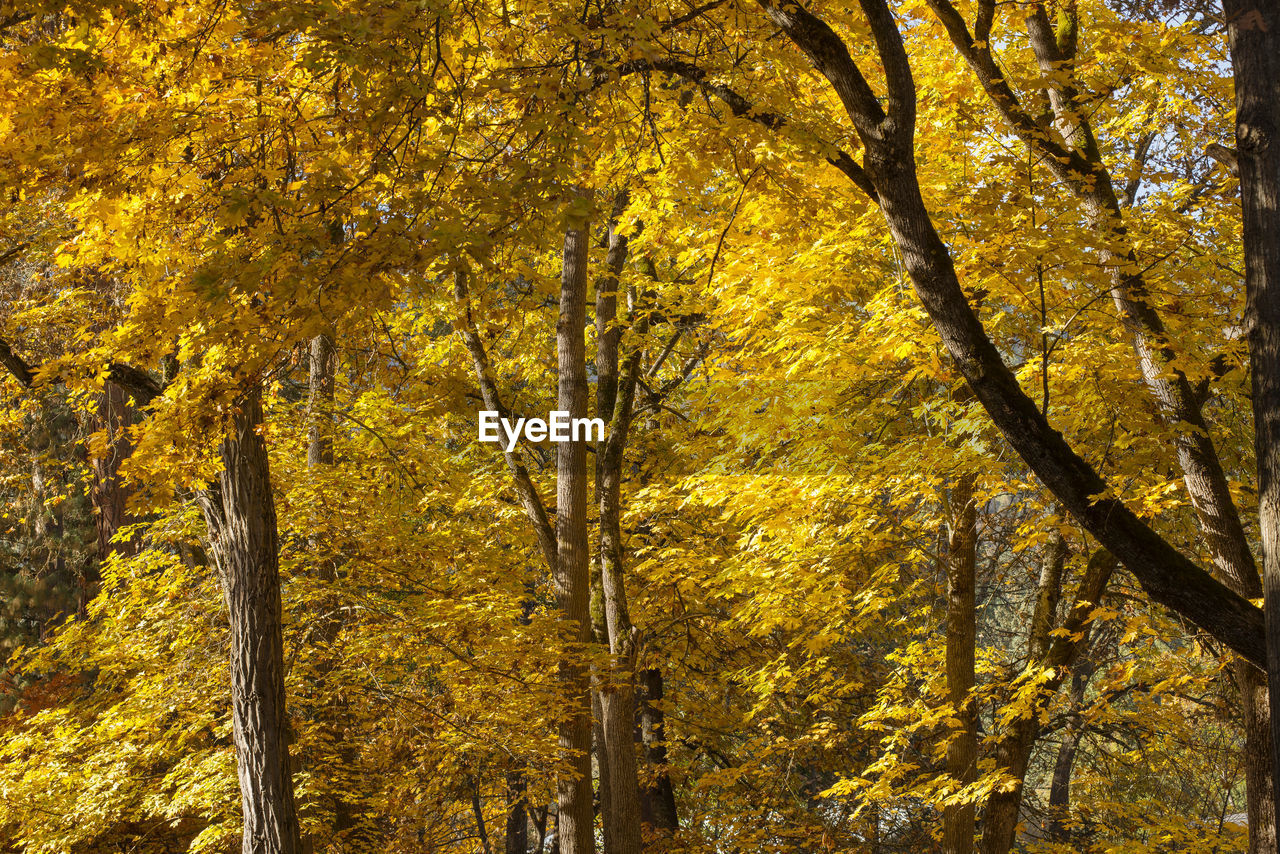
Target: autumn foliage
x=843, y=589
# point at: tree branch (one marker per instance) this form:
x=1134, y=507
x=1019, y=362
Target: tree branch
x=532, y=503
x=133, y=380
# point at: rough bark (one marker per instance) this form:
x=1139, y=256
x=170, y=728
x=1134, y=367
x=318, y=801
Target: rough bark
x=658, y=798
x=572, y=575
x=517, y=829
x=110, y=494
x=1254, y=34
x=962, y=750
x=1168, y=576
x=614, y=395
x=241, y=517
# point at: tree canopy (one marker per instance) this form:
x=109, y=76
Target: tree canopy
x=937, y=346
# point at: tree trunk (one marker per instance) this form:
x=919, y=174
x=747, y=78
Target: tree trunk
x=331, y=710
x=321, y=373
x=517, y=832
x=962, y=750
x=1254, y=33
x=110, y=495
x=1064, y=764
x=614, y=396
x=240, y=513
x=658, y=801
x=1258, y=775
x=1054, y=654
x=572, y=576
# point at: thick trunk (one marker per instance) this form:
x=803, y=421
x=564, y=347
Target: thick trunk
x=1256, y=720
x=572, y=576
x=1254, y=32
x=658, y=802
x=962, y=750
x=517, y=830
x=241, y=517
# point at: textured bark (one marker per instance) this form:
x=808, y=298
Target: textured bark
x=572, y=575
x=1168, y=576
x=516, y=840
x=962, y=750
x=658, y=798
x=1258, y=773
x=1254, y=33
x=321, y=372
x=620, y=798
x=110, y=494
x=240, y=513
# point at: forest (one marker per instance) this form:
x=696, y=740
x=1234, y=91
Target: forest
x=620, y=426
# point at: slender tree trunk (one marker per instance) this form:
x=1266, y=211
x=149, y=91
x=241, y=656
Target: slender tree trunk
x=572, y=575
x=1064, y=763
x=240, y=513
x=1254, y=33
x=1055, y=655
x=658, y=802
x=614, y=396
x=962, y=750
x=331, y=710
x=321, y=374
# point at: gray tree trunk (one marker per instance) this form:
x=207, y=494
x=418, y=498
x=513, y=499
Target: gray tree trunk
x=571, y=578
x=1254, y=33
x=241, y=516
x=614, y=395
